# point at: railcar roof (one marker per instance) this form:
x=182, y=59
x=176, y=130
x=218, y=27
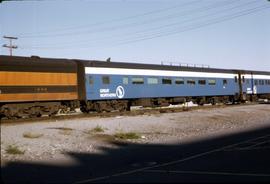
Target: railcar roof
x=97, y=63
x=68, y=65
x=36, y=64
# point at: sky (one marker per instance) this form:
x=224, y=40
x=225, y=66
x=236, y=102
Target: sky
x=230, y=34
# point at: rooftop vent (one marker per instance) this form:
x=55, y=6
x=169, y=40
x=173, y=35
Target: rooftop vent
x=185, y=65
x=35, y=57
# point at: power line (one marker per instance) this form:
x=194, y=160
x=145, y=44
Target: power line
x=151, y=21
x=212, y=15
x=45, y=33
x=183, y=14
x=182, y=29
x=212, y=22
x=169, y=25
x=251, y=11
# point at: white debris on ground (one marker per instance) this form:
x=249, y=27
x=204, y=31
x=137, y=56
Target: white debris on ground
x=49, y=141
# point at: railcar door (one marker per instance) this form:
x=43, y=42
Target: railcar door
x=89, y=83
x=248, y=83
x=253, y=85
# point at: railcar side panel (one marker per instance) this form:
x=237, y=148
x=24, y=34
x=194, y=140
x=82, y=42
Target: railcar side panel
x=33, y=79
x=104, y=84
x=262, y=84
x=256, y=84
x=37, y=78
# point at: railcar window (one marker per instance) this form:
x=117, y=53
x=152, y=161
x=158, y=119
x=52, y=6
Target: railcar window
x=125, y=80
x=91, y=80
x=225, y=82
x=212, y=82
x=191, y=82
x=247, y=81
x=243, y=79
x=152, y=80
x=202, y=82
x=262, y=82
x=105, y=79
x=179, y=81
x=256, y=82
x=235, y=79
x=166, y=81
x=137, y=80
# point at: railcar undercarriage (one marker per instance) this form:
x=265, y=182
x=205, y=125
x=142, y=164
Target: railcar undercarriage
x=36, y=109
x=124, y=105
x=106, y=105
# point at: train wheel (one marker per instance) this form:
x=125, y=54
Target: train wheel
x=200, y=101
x=34, y=112
x=124, y=107
x=98, y=107
x=84, y=109
x=213, y=101
x=9, y=112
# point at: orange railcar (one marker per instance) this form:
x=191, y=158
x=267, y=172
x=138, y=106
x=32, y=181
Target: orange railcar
x=31, y=83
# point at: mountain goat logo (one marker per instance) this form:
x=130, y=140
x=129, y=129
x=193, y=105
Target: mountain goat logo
x=120, y=92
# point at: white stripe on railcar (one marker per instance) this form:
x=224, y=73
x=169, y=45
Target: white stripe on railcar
x=248, y=76
x=147, y=72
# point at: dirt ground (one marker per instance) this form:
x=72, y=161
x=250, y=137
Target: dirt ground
x=47, y=141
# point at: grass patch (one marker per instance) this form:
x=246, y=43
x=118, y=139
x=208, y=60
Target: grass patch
x=32, y=135
x=102, y=137
x=129, y=135
x=63, y=128
x=65, y=132
x=97, y=129
x=12, y=149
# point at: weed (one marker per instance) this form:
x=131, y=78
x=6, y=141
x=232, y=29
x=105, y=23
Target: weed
x=129, y=135
x=64, y=128
x=97, y=129
x=102, y=137
x=12, y=149
x=65, y=132
x=31, y=135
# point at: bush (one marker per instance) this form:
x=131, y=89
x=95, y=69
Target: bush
x=32, y=135
x=129, y=135
x=12, y=149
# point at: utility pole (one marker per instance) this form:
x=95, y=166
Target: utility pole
x=10, y=46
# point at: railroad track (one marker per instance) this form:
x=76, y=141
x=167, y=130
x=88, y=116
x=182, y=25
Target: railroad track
x=133, y=112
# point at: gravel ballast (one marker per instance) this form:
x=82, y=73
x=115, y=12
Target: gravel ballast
x=48, y=141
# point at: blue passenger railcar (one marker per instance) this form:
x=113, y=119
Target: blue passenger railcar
x=106, y=81
x=114, y=85
x=120, y=83
x=255, y=83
